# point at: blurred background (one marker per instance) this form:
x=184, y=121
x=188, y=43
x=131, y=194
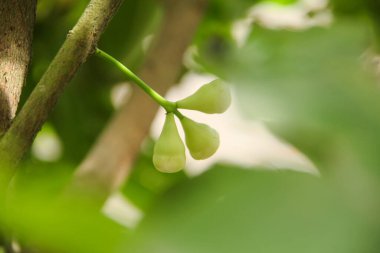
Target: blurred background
x=298, y=169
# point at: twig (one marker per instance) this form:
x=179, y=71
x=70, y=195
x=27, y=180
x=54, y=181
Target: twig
x=167, y=105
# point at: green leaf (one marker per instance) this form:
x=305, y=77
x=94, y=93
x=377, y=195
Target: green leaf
x=315, y=88
x=45, y=219
x=229, y=210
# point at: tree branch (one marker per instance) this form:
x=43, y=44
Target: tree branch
x=79, y=44
x=110, y=159
x=16, y=33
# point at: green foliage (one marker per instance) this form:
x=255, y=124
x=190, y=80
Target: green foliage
x=146, y=184
x=231, y=210
x=355, y=7
x=309, y=86
x=47, y=224
x=314, y=88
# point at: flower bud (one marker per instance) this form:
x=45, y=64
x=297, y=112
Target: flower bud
x=214, y=97
x=201, y=140
x=169, y=151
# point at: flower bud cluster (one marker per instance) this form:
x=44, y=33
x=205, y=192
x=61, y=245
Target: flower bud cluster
x=201, y=140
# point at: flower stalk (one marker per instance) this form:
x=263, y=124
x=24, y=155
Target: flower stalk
x=169, y=106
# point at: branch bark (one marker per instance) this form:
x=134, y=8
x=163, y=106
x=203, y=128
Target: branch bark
x=110, y=160
x=16, y=33
x=79, y=44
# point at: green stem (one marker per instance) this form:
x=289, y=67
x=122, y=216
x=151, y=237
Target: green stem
x=167, y=105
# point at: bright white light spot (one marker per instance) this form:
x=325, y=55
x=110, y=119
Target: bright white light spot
x=47, y=146
x=146, y=42
x=188, y=58
x=244, y=142
x=240, y=30
x=122, y=210
x=294, y=16
x=120, y=94
x=15, y=246
x=315, y=5
x=277, y=16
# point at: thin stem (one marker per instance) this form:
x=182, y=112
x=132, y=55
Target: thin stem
x=167, y=105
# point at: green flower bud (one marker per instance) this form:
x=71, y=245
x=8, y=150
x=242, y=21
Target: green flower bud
x=214, y=97
x=202, y=140
x=169, y=151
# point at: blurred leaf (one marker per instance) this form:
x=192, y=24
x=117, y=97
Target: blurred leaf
x=321, y=64
x=230, y=210
x=353, y=7
x=45, y=219
x=146, y=184
x=311, y=86
x=214, y=38
x=125, y=34
x=360, y=8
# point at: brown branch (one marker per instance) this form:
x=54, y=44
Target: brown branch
x=79, y=44
x=110, y=159
x=16, y=32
